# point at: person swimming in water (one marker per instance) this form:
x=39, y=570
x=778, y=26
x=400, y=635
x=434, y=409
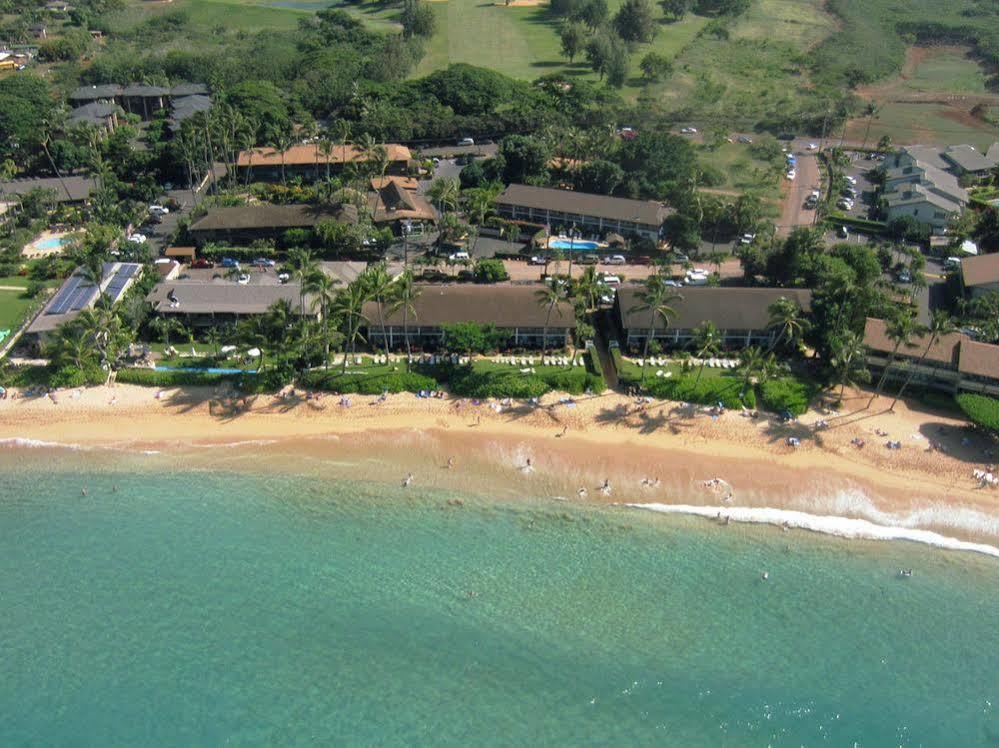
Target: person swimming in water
x=408, y=481
x=605, y=489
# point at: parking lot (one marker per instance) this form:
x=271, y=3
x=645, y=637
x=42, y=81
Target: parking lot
x=858, y=169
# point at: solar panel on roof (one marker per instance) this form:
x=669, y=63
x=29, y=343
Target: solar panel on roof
x=60, y=304
x=120, y=280
x=82, y=296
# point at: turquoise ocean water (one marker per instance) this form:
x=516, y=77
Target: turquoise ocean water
x=208, y=608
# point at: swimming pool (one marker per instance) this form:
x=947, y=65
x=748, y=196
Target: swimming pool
x=573, y=245
x=52, y=242
x=994, y=202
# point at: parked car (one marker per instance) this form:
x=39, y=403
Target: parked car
x=611, y=280
x=136, y=238
x=904, y=276
x=952, y=263
x=792, y=174
x=851, y=180
x=466, y=141
x=745, y=139
x=228, y=262
x=696, y=279
x=283, y=277
x=843, y=232
x=461, y=256
x=160, y=210
x=615, y=260
x=813, y=146
x=263, y=262
x=243, y=279
x=747, y=239
x=202, y=264
x=537, y=260
x=688, y=131
x=588, y=259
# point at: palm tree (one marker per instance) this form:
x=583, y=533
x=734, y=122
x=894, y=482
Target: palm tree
x=707, y=343
x=940, y=325
x=900, y=331
x=378, y=284
x=751, y=364
x=282, y=144
x=870, y=111
x=303, y=267
x=322, y=287
x=849, y=361
x=405, y=294
x=655, y=298
x=349, y=307
x=325, y=146
x=444, y=192
x=591, y=286
x=164, y=326
x=785, y=319
x=547, y=298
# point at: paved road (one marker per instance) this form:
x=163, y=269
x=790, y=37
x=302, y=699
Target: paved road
x=793, y=211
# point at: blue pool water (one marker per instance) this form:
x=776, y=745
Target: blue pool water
x=209, y=370
x=995, y=202
x=576, y=245
x=211, y=606
x=53, y=242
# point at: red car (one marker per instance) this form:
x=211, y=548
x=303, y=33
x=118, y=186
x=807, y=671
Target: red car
x=202, y=264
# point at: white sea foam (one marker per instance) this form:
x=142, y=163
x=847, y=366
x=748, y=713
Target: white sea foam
x=844, y=527
x=20, y=441
x=232, y=445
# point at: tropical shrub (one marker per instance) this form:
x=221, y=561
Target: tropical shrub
x=778, y=395
x=69, y=377
x=367, y=384
x=153, y=378
x=981, y=410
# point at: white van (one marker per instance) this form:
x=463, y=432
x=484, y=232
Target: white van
x=615, y=260
x=611, y=280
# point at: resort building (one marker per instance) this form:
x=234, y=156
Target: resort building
x=917, y=187
x=307, y=161
x=246, y=223
x=980, y=274
x=394, y=202
x=953, y=363
x=68, y=190
x=144, y=100
x=512, y=310
x=588, y=213
x=213, y=303
x=78, y=293
x=742, y=315
x=96, y=114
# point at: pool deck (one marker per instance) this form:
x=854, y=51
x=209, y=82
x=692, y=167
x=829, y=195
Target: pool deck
x=32, y=250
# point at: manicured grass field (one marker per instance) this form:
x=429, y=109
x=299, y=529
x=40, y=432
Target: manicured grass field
x=12, y=309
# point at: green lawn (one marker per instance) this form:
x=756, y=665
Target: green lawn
x=950, y=71
x=742, y=168
x=14, y=280
x=801, y=23
x=924, y=123
x=230, y=15
x=12, y=309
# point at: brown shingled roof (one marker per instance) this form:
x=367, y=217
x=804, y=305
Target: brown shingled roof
x=269, y=217
x=981, y=270
x=980, y=359
x=503, y=306
x=728, y=308
x=646, y=212
x=944, y=350
x=305, y=154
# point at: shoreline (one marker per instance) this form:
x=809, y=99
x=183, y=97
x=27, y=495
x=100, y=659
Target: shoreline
x=572, y=446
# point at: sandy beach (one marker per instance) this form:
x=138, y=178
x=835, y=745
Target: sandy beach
x=648, y=452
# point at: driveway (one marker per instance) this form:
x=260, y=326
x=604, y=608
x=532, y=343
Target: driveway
x=793, y=210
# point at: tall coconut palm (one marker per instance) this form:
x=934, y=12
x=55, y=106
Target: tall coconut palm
x=591, y=286
x=548, y=298
x=900, y=331
x=282, y=144
x=303, y=267
x=707, y=343
x=378, y=284
x=751, y=364
x=349, y=307
x=849, y=361
x=786, y=321
x=870, y=111
x=323, y=290
x=940, y=325
x=655, y=298
x=325, y=146
x=405, y=293
x=444, y=193
x=165, y=326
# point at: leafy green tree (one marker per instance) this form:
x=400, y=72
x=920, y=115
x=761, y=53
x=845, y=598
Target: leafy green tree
x=616, y=66
x=849, y=362
x=590, y=285
x=656, y=66
x=526, y=158
x=418, y=19
x=675, y=10
x=786, y=321
x=752, y=363
x=635, y=21
x=598, y=176
x=573, y=39
x=489, y=271
x=349, y=308
x=594, y=13
x=444, y=193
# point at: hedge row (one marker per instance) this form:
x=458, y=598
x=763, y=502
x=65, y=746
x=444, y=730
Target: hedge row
x=981, y=409
x=367, y=384
x=153, y=378
x=708, y=391
x=778, y=395
x=872, y=227
x=467, y=382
